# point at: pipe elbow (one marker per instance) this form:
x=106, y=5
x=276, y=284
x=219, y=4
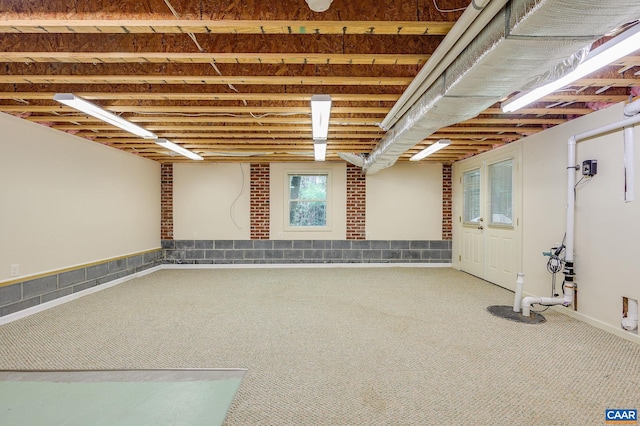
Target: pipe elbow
x=632, y=109
x=526, y=305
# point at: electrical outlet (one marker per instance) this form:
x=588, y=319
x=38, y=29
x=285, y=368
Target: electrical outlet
x=15, y=270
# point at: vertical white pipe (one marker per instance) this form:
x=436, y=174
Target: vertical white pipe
x=632, y=309
x=630, y=322
x=631, y=111
x=571, y=211
x=629, y=165
x=517, y=300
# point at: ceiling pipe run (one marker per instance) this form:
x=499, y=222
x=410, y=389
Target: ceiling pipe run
x=522, y=40
x=465, y=29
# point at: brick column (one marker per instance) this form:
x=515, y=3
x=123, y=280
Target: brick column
x=259, y=210
x=166, y=201
x=446, y=202
x=356, y=203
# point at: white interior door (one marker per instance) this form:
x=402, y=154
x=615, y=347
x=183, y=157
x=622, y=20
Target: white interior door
x=490, y=232
x=472, y=256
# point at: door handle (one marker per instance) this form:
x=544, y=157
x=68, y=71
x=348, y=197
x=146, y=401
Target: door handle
x=481, y=227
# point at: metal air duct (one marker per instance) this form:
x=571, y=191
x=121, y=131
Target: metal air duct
x=525, y=39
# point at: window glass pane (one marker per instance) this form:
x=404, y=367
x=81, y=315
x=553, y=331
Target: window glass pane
x=501, y=182
x=308, y=213
x=471, y=196
x=308, y=200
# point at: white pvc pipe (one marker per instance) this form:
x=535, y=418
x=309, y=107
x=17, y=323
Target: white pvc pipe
x=630, y=322
x=571, y=183
x=566, y=300
x=634, y=109
x=629, y=154
x=517, y=307
x=629, y=165
x=471, y=22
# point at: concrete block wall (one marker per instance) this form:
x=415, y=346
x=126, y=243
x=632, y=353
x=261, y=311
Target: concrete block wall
x=304, y=251
x=17, y=296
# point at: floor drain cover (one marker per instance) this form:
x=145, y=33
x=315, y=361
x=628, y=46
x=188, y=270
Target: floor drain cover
x=507, y=313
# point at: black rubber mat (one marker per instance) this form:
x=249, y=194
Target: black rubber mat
x=506, y=312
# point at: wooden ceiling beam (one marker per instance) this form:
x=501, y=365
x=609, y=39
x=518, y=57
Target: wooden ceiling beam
x=497, y=129
x=231, y=136
x=515, y=121
x=336, y=121
x=244, y=143
x=178, y=26
x=539, y=111
x=184, y=129
x=167, y=110
x=218, y=58
x=186, y=96
x=206, y=80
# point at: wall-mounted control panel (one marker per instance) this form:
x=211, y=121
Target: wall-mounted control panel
x=589, y=167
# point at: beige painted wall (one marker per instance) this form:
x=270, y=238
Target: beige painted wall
x=67, y=201
x=337, y=201
x=607, y=229
x=211, y=201
x=404, y=202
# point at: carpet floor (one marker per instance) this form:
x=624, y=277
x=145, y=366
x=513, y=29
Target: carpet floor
x=343, y=346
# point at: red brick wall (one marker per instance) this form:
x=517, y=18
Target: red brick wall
x=259, y=214
x=446, y=202
x=166, y=201
x=356, y=203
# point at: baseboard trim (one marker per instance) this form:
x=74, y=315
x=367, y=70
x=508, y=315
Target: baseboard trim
x=301, y=265
x=598, y=324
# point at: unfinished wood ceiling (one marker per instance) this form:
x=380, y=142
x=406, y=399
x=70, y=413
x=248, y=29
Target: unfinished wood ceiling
x=231, y=80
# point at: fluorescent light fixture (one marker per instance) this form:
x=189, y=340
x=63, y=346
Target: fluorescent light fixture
x=320, y=149
x=616, y=48
x=442, y=143
x=320, y=111
x=94, y=110
x=177, y=148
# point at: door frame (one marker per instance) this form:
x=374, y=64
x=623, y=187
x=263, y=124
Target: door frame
x=513, y=151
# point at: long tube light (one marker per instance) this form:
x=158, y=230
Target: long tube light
x=94, y=110
x=177, y=148
x=320, y=111
x=616, y=48
x=319, y=149
x=442, y=143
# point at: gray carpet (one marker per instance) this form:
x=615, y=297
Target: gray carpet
x=349, y=346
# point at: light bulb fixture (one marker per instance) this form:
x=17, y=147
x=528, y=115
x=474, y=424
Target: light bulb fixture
x=177, y=148
x=320, y=111
x=319, y=5
x=94, y=110
x=320, y=149
x=442, y=143
x=616, y=48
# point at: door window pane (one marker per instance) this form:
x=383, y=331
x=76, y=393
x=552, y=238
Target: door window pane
x=308, y=200
x=471, y=196
x=501, y=187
